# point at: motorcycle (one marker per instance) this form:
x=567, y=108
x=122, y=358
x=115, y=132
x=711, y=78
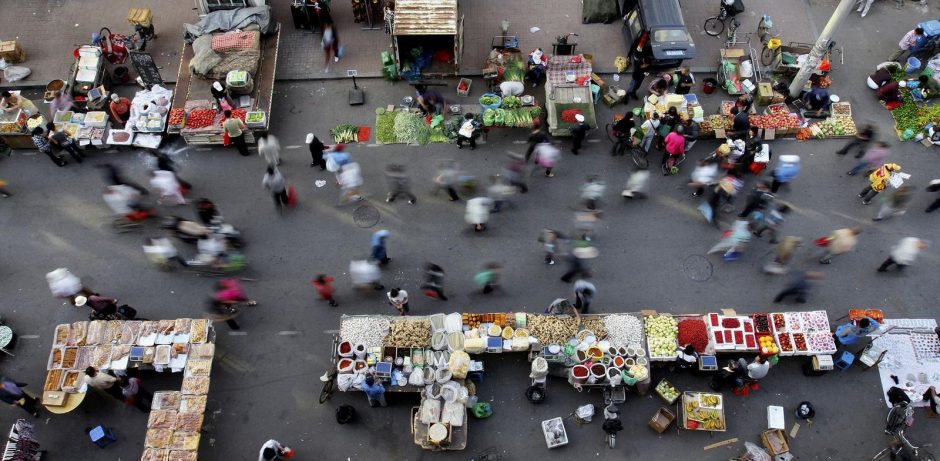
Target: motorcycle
x=191, y=231
x=612, y=424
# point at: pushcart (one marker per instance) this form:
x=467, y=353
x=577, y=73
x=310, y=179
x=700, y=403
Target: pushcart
x=568, y=88
x=729, y=70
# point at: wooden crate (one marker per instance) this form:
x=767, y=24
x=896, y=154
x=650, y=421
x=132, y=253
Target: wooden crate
x=12, y=52
x=142, y=16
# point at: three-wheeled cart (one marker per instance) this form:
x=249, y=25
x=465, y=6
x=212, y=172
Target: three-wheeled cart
x=568, y=88
x=731, y=70
x=87, y=72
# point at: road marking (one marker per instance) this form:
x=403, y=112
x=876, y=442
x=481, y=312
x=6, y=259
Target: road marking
x=373, y=145
x=593, y=140
x=288, y=333
x=520, y=141
x=238, y=333
x=293, y=147
x=29, y=336
x=203, y=149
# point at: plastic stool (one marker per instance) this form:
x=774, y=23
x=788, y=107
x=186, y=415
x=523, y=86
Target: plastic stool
x=596, y=91
x=845, y=361
x=101, y=436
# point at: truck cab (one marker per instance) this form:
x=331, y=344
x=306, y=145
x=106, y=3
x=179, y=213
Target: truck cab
x=655, y=29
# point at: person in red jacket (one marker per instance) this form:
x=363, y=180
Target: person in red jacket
x=324, y=285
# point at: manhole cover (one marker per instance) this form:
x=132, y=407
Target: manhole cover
x=697, y=267
x=366, y=216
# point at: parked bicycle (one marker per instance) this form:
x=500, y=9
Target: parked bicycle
x=900, y=417
x=623, y=141
x=715, y=25
x=329, y=377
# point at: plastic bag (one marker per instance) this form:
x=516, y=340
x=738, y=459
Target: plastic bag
x=3, y=63
x=345, y=381
x=459, y=364
x=755, y=453
x=430, y=412
x=585, y=412
x=417, y=377
x=16, y=73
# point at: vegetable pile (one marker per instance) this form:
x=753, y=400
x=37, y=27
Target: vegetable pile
x=774, y=121
x=511, y=102
x=411, y=129
x=839, y=125
x=667, y=391
x=366, y=330
x=519, y=118
x=551, y=329
x=694, y=332
x=385, y=127
x=568, y=115
x=762, y=323
x=489, y=100
x=200, y=118
x=716, y=122
x=408, y=333
x=514, y=70
x=768, y=346
x=345, y=133
x=661, y=333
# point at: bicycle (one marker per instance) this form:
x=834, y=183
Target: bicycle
x=715, y=25
x=329, y=377
x=621, y=143
x=900, y=417
x=768, y=39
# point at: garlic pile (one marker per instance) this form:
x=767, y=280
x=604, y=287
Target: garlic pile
x=624, y=330
x=367, y=330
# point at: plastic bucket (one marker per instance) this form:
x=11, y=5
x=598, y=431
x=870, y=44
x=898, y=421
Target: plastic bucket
x=579, y=374
x=913, y=65
x=709, y=85
x=345, y=365
x=345, y=349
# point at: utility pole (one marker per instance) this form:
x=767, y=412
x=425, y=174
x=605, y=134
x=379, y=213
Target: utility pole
x=815, y=56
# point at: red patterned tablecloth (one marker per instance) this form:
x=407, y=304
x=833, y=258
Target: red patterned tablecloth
x=235, y=41
x=558, y=66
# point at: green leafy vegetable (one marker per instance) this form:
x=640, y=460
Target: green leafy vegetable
x=488, y=100
x=345, y=133
x=385, y=128
x=411, y=129
x=511, y=102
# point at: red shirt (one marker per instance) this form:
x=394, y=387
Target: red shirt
x=675, y=143
x=325, y=290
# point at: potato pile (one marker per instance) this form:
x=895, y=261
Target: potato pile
x=408, y=333
x=551, y=329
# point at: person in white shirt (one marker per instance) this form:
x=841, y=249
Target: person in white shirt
x=649, y=128
x=757, y=369
x=169, y=187
x=904, y=253
x=584, y=292
x=121, y=199
x=907, y=42
x=350, y=180
x=270, y=149
x=271, y=451
x=399, y=300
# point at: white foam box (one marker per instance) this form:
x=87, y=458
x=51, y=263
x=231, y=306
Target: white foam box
x=775, y=419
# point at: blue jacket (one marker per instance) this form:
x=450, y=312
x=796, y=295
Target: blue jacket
x=374, y=391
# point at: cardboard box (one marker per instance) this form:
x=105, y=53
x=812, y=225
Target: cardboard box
x=662, y=419
x=775, y=440
x=12, y=52
x=778, y=98
x=765, y=94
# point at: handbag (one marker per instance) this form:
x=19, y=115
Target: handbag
x=226, y=139
x=822, y=241
x=291, y=196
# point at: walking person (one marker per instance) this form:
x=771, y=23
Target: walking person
x=330, y=43
x=577, y=263
x=584, y=293
x=861, y=140
x=235, y=129
x=365, y=274
x=43, y=145
x=770, y=221
x=896, y=204
x=134, y=394
x=733, y=241
x=904, y=253
x=546, y=156
x=225, y=302
x=374, y=390
x=378, y=251
x=275, y=183
x=165, y=163
x=398, y=183
x=872, y=159
x=592, y=191
x=478, y=211
x=324, y=285
x=350, y=180
x=786, y=172
x=434, y=281
x=500, y=192
x=488, y=278
x=398, y=299
x=515, y=173
x=840, y=242
x=113, y=177
x=578, y=133
x=448, y=173
x=641, y=68
x=61, y=140
x=316, y=151
x=878, y=181
x=550, y=240
x=103, y=381
x=783, y=255
x=65, y=285
x=468, y=132
x=934, y=186
x=270, y=149
x=166, y=184
x=272, y=450
x=799, y=286
x=758, y=199
x=537, y=136
x=12, y=392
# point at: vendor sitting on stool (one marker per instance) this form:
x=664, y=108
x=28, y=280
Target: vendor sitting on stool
x=536, y=66
x=120, y=108
x=850, y=333
x=817, y=103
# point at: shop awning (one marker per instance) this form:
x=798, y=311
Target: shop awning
x=425, y=17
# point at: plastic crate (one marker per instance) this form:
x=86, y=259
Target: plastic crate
x=466, y=90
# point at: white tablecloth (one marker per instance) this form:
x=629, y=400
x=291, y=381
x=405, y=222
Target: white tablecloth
x=917, y=367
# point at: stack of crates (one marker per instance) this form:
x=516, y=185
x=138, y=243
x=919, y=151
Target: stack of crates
x=389, y=70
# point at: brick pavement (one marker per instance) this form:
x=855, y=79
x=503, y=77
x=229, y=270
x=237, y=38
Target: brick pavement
x=47, y=31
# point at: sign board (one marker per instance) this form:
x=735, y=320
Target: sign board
x=146, y=68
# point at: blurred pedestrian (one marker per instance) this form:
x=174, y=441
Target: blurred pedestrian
x=585, y=222
x=704, y=175
x=872, y=159
x=272, y=450
x=113, y=177
x=584, y=293
x=592, y=191
x=330, y=43
x=335, y=159
x=500, y=192
x=758, y=199
x=787, y=170
x=478, y=212
x=841, y=241
x=770, y=221
x=12, y=392
x=733, y=241
x=537, y=136
x=227, y=299
x=861, y=140
x=398, y=298
x=235, y=129
x=324, y=285
x=270, y=149
x=4, y=192
x=275, y=183
x=550, y=240
x=641, y=68
x=577, y=262
x=896, y=204
x=375, y=392
x=783, y=255
x=62, y=140
x=904, y=253
x=350, y=180
x=878, y=181
x=799, y=286
x=316, y=151
x=434, y=281
x=724, y=193
x=165, y=163
x=514, y=172
x=165, y=182
x=546, y=156
x=448, y=173
x=934, y=186
x=365, y=274
x=65, y=285
x=488, y=278
x=398, y=183
x=43, y=145
x=578, y=132
x=378, y=251
x=637, y=185
x=468, y=132
x=134, y=394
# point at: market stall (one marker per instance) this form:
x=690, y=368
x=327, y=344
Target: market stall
x=87, y=74
x=427, y=38
x=149, y=113
x=568, y=93
x=180, y=345
x=13, y=130
x=86, y=128
x=910, y=350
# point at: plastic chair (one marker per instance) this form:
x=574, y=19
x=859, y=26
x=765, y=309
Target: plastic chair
x=102, y=436
x=845, y=361
x=596, y=91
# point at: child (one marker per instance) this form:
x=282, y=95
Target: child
x=324, y=285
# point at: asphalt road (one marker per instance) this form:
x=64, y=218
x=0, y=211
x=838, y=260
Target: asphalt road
x=652, y=256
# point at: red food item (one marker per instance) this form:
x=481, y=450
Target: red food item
x=567, y=115
x=799, y=340
x=694, y=332
x=739, y=337
x=779, y=322
x=729, y=322
x=200, y=118
x=748, y=327
x=784, y=340
x=719, y=338
x=237, y=113
x=176, y=116
x=691, y=424
x=714, y=319
x=750, y=342
x=729, y=336
x=762, y=323
x=462, y=86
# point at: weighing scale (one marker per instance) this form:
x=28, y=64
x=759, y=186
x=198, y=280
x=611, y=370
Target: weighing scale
x=356, y=96
x=707, y=363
